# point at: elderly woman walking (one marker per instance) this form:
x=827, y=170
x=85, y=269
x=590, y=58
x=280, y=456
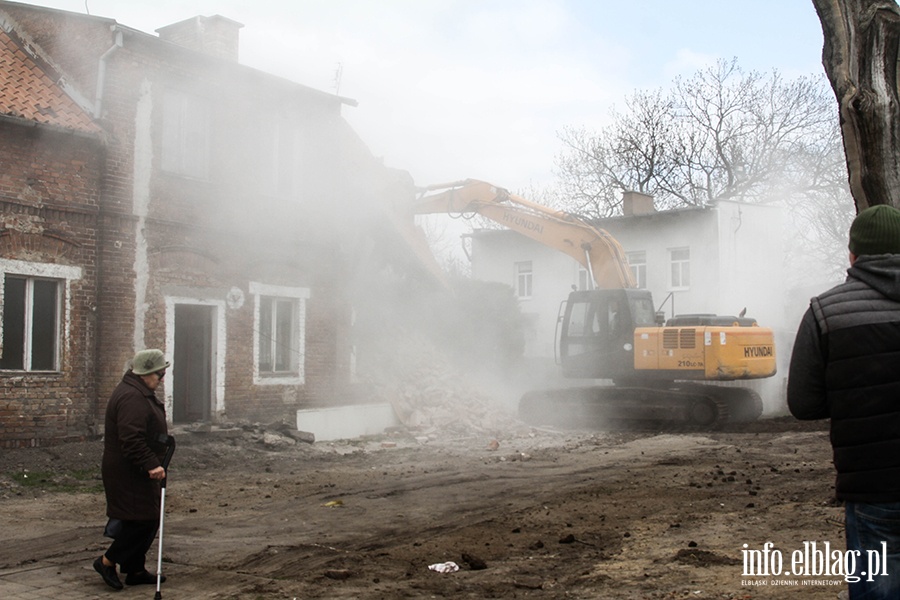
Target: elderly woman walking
x=133, y=452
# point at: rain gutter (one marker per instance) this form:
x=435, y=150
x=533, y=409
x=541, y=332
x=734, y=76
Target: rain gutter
x=101, y=72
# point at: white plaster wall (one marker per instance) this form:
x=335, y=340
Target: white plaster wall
x=553, y=274
x=143, y=169
x=752, y=272
x=656, y=236
x=736, y=262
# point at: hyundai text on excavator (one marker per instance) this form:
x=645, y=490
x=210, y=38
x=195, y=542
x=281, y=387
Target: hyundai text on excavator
x=660, y=370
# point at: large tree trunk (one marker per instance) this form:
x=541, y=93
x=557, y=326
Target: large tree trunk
x=860, y=59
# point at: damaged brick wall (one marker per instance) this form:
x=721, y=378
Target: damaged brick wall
x=197, y=239
x=48, y=216
x=146, y=238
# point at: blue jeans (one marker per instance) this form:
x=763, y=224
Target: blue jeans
x=874, y=531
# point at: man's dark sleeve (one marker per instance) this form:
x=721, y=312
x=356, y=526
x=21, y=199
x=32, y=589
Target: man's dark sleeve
x=806, y=375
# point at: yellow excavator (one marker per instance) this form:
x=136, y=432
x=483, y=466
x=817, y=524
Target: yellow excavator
x=660, y=369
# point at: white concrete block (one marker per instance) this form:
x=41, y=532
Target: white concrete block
x=344, y=422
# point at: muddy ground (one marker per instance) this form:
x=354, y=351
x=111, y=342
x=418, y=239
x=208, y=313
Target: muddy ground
x=523, y=513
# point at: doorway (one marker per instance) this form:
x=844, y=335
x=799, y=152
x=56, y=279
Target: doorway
x=192, y=365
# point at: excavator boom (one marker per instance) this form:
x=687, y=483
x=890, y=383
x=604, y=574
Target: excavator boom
x=594, y=248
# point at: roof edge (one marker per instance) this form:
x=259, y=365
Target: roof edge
x=21, y=122
x=37, y=54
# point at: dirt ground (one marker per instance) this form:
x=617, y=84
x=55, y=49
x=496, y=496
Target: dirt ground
x=523, y=513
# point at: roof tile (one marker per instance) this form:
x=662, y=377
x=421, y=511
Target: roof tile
x=26, y=92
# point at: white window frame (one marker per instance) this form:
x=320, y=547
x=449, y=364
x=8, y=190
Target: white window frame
x=185, y=146
x=278, y=154
x=298, y=294
x=64, y=275
x=681, y=266
x=524, y=279
x=637, y=262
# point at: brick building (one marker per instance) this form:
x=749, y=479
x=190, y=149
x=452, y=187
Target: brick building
x=156, y=193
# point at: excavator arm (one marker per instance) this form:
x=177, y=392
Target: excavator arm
x=593, y=248
x=658, y=371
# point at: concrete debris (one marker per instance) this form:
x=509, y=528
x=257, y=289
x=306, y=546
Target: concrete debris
x=200, y=427
x=447, y=567
x=427, y=392
x=274, y=436
x=338, y=574
x=276, y=440
x=301, y=436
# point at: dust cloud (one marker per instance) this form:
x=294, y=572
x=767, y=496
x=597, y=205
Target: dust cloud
x=444, y=356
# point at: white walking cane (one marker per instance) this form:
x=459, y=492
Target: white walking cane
x=169, y=441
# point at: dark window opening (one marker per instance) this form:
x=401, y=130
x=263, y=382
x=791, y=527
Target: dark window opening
x=30, y=324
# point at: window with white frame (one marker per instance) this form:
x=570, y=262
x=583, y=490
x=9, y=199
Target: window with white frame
x=278, y=352
x=278, y=155
x=279, y=334
x=33, y=306
x=637, y=262
x=680, y=268
x=185, y=135
x=524, y=279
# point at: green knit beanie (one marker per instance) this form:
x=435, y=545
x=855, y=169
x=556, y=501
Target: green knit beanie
x=876, y=230
x=148, y=361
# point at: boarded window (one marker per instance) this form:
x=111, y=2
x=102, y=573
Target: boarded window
x=278, y=155
x=185, y=136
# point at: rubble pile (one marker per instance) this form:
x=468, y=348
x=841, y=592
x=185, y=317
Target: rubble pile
x=429, y=393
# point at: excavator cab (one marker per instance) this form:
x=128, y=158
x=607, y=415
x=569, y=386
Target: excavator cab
x=596, y=333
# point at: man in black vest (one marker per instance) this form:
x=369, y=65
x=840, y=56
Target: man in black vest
x=846, y=367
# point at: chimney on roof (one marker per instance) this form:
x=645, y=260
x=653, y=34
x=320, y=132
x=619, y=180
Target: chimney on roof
x=636, y=203
x=214, y=36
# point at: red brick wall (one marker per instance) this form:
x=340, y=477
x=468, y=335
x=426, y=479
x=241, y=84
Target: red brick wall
x=48, y=214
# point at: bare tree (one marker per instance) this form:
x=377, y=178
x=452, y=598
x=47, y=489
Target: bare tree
x=721, y=134
x=862, y=38
x=633, y=153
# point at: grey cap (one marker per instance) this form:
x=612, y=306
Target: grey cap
x=148, y=361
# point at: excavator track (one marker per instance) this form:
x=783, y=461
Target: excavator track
x=678, y=404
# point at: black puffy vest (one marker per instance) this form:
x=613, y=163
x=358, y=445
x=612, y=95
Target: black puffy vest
x=860, y=330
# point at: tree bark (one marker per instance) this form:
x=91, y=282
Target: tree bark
x=861, y=41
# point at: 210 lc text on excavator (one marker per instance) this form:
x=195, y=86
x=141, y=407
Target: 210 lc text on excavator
x=660, y=370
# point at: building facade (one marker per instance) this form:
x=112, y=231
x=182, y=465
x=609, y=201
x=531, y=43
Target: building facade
x=156, y=193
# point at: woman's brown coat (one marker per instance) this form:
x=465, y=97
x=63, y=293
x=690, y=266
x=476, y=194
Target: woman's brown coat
x=135, y=418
